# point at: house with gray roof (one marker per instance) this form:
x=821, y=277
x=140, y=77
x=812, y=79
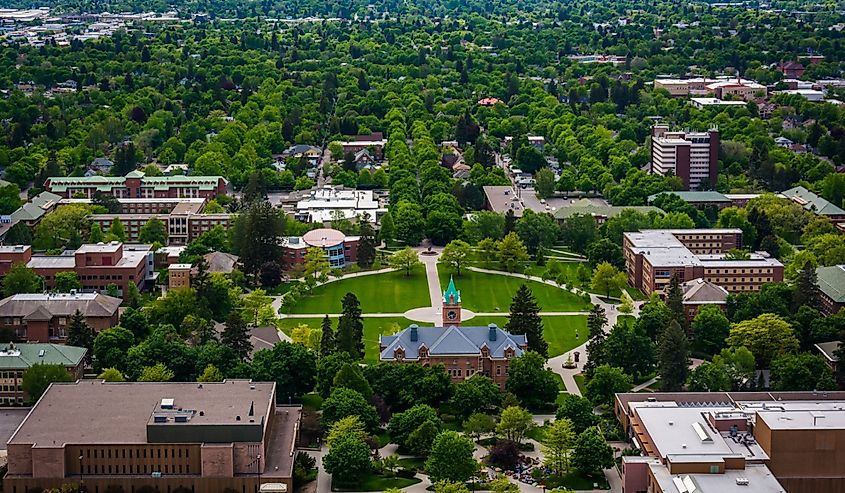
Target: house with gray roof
x=831, y=282
x=464, y=350
x=816, y=204
x=44, y=317
x=699, y=292
x=599, y=212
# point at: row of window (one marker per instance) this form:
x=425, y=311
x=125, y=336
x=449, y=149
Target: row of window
x=738, y=271
x=136, y=469
x=9, y=375
x=155, y=453
x=11, y=401
x=11, y=388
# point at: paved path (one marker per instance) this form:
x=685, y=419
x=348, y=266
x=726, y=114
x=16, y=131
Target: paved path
x=430, y=263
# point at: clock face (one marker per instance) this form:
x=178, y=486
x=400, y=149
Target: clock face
x=451, y=315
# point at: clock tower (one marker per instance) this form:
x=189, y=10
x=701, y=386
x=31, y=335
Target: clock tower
x=451, y=305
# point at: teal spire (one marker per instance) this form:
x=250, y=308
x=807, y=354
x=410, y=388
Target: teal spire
x=451, y=291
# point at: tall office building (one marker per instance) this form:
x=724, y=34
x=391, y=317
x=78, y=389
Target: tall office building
x=692, y=156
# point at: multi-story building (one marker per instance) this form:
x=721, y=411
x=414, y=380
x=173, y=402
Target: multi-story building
x=374, y=143
x=684, y=87
x=13, y=254
x=816, y=205
x=653, y=257
x=697, y=293
x=98, y=265
x=600, y=213
x=136, y=185
x=203, y=437
x=323, y=205
x=737, y=88
x=178, y=276
x=44, y=317
x=831, y=281
x=16, y=359
x=464, y=350
x=733, y=442
x=340, y=249
x=691, y=156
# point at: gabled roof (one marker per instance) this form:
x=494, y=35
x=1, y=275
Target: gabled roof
x=38, y=306
x=829, y=349
x=37, y=207
x=221, y=262
x=812, y=202
x=451, y=291
x=831, y=281
x=701, y=292
x=452, y=341
x=587, y=207
x=23, y=356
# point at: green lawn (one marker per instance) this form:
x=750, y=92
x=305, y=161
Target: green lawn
x=581, y=382
x=374, y=482
x=491, y=292
x=373, y=327
x=392, y=292
x=558, y=330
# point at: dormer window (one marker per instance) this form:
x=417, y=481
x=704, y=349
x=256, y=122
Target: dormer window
x=423, y=351
x=399, y=354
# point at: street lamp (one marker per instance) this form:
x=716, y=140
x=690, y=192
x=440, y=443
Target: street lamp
x=259, y=471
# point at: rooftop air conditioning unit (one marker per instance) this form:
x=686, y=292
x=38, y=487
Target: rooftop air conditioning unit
x=742, y=481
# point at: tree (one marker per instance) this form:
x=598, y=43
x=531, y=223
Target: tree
x=514, y=423
x=710, y=328
x=236, y=335
x=807, y=288
x=292, y=366
x=111, y=375
x=316, y=263
x=673, y=357
x=346, y=427
x=802, y=371
x=20, y=279
x=675, y=300
x=530, y=380
x=367, y=242
x=409, y=222
x=111, y=347
x=67, y=282
x=405, y=259
x=271, y=274
x=305, y=335
x=256, y=235
x=328, y=338
x=537, y=230
x=591, y=453
x=135, y=321
x=350, y=377
x=343, y=402
x=350, y=327
x=556, y=445
x=451, y=458
x=544, y=183
x=96, y=235
x=505, y=455
x=630, y=349
x=116, y=230
x=153, y=231
x=579, y=231
x=577, y=410
x=421, y=439
x=766, y=336
x=387, y=230
x=607, y=278
x=79, y=333
x=38, y=377
x=327, y=368
x=606, y=382
x=348, y=461
x=525, y=319
x=455, y=255
x=19, y=234
x=156, y=373
x=709, y=377
x=478, y=424
x=210, y=374
x=596, y=338
x=477, y=393
x=402, y=424
x=257, y=309
x=512, y=252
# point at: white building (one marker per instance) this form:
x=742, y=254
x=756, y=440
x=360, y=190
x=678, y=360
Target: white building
x=325, y=204
x=692, y=156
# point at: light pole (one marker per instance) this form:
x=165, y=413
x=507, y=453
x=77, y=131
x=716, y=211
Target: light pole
x=81, y=480
x=259, y=471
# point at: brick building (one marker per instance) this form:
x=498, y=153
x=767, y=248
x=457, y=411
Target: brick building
x=207, y=437
x=137, y=185
x=697, y=293
x=43, y=317
x=178, y=276
x=13, y=254
x=653, y=257
x=340, y=249
x=464, y=350
x=734, y=442
x=374, y=142
x=831, y=281
x=691, y=156
x=16, y=359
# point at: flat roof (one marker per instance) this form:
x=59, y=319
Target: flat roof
x=109, y=413
x=752, y=479
x=503, y=198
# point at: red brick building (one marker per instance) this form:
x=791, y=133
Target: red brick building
x=13, y=254
x=136, y=185
x=340, y=249
x=44, y=317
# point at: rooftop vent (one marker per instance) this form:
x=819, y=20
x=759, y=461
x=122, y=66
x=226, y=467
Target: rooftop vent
x=181, y=418
x=159, y=418
x=41, y=353
x=167, y=403
x=742, y=481
x=702, y=433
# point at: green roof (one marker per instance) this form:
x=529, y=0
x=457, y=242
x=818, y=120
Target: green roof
x=813, y=202
x=586, y=207
x=831, y=281
x=25, y=355
x=451, y=291
x=693, y=196
x=106, y=183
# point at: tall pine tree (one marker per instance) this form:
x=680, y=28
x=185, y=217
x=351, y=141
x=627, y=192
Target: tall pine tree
x=675, y=300
x=525, y=319
x=350, y=327
x=806, y=288
x=236, y=335
x=596, y=322
x=367, y=242
x=79, y=334
x=673, y=357
x=328, y=339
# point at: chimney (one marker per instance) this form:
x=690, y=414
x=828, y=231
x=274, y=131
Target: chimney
x=414, y=334
x=492, y=332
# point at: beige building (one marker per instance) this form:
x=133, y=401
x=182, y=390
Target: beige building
x=178, y=276
x=200, y=437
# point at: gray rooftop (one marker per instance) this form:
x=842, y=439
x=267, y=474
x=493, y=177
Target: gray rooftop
x=694, y=197
x=759, y=480
x=812, y=202
x=503, y=199
x=448, y=341
x=38, y=306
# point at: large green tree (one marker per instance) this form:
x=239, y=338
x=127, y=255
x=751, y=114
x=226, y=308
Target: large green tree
x=524, y=318
x=451, y=458
x=350, y=327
